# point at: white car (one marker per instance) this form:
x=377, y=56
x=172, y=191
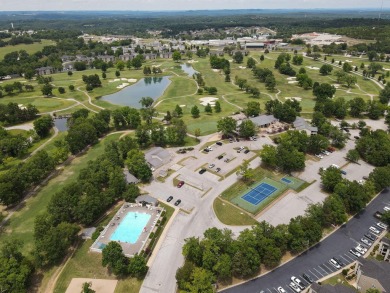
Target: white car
x=211, y=166
x=295, y=287
x=336, y=166
x=334, y=263
x=319, y=156
x=361, y=249
x=387, y=209
x=326, y=153
x=366, y=242
x=281, y=290
x=381, y=225
x=375, y=230
x=355, y=252
x=298, y=282
x=209, y=148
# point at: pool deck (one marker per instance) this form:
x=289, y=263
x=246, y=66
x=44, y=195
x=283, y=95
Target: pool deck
x=129, y=249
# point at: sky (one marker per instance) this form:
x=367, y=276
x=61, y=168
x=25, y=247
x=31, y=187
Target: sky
x=31, y=5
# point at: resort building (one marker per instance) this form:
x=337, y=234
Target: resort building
x=130, y=178
x=157, y=157
x=302, y=124
x=264, y=120
x=146, y=200
x=372, y=274
x=384, y=248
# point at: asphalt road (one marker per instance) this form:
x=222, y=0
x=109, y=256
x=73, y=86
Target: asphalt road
x=314, y=262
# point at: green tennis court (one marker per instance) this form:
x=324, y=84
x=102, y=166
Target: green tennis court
x=292, y=182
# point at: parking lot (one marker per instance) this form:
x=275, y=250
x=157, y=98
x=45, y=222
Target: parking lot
x=315, y=261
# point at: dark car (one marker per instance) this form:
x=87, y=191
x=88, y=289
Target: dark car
x=237, y=139
x=206, y=150
x=220, y=157
x=219, y=143
x=356, y=137
x=169, y=198
x=218, y=169
x=307, y=278
x=346, y=129
x=177, y=202
x=343, y=172
x=202, y=171
x=339, y=261
x=230, y=140
x=180, y=184
x=370, y=236
x=246, y=151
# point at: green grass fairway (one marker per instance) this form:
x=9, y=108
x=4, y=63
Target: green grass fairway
x=21, y=224
x=230, y=215
x=256, y=208
x=30, y=48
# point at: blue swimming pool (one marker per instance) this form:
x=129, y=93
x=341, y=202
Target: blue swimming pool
x=131, y=227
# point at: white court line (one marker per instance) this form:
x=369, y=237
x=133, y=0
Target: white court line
x=314, y=274
x=318, y=272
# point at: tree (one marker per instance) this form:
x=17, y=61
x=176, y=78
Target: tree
x=87, y=288
x=178, y=111
x=47, y=89
x=317, y=143
x=201, y=281
x=289, y=158
x=245, y=262
x=353, y=156
x=137, y=266
x=217, y=107
x=138, y=166
x=268, y=155
x=120, y=65
x=238, y=57
x=227, y=126
x=104, y=75
x=261, y=57
x=252, y=109
x=183, y=274
x=80, y=135
x=61, y=90
x=246, y=173
x=334, y=211
x=330, y=178
x=197, y=132
x=114, y=259
x=16, y=270
x=117, y=73
x=208, y=109
x=374, y=148
x=357, y=106
x=326, y=69
x=71, y=87
x=131, y=193
x=347, y=67
x=43, y=125
x=324, y=91
x=251, y=62
x=380, y=177
x=146, y=102
x=223, y=268
x=70, y=73
x=195, y=111
x=247, y=128
x=192, y=251
x=176, y=56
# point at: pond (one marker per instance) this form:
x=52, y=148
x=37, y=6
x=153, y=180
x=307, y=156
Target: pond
x=61, y=124
x=153, y=87
x=187, y=68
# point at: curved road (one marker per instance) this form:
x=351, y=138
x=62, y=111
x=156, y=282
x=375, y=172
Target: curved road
x=314, y=261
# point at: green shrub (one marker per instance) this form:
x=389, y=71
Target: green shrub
x=96, y=234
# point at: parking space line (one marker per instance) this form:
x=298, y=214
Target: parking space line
x=323, y=270
x=269, y=290
x=318, y=272
x=349, y=257
x=288, y=287
x=313, y=274
x=275, y=289
x=346, y=260
x=331, y=269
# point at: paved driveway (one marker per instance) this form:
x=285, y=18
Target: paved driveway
x=314, y=262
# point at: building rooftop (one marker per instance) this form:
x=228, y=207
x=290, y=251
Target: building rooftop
x=378, y=270
x=146, y=198
x=385, y=240
x=263, y=119
x=130, y=178
x=302, y=124
x=157, y=157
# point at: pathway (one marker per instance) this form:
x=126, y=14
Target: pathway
x=43, y=145
x=90, y=100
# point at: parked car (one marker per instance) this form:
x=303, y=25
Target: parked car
x=219, y=143
x=169, y=198
x=370, y=236
x=319, y=156
x=281, y=290
x=331, y=149
x=202, y=171
x=361, y=249
x=307, y=278
x=326, y=153
x=177, y=202
x=343, y=172
x=206, y=150
x=246, y=151
x=211, y=166
x=339, y=261
x=356, y=137
x=226, y=160
x=294, y=287
x=386, y=208
x=366, y=242
x=220, y=157
x=230, y=140
x=355, y=252
x=365, y=177
x=375, y=230
x=381, y=225
x=334, y=263
x=298, y=282
x=218, y=169
x=180, y=184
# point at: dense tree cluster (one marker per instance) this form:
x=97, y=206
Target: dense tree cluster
x=336, y=135
x=283, y=65
x=285, y=112
x=219, y=63
x=374, y=147
x=12, y=145
x=12, y=114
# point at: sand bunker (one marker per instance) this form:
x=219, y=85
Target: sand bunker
x=293, y=81
x=242, y=67
x=291, y=78
x=336, y=85
x=294, y=98
x=208, y=100
x=121, y=86
x=349, y=61
x=312, y=67
x=192, y=61
x=99, y=285
x=132, y=80
x=182, y=106
x=387, y=69
x=216, y=70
